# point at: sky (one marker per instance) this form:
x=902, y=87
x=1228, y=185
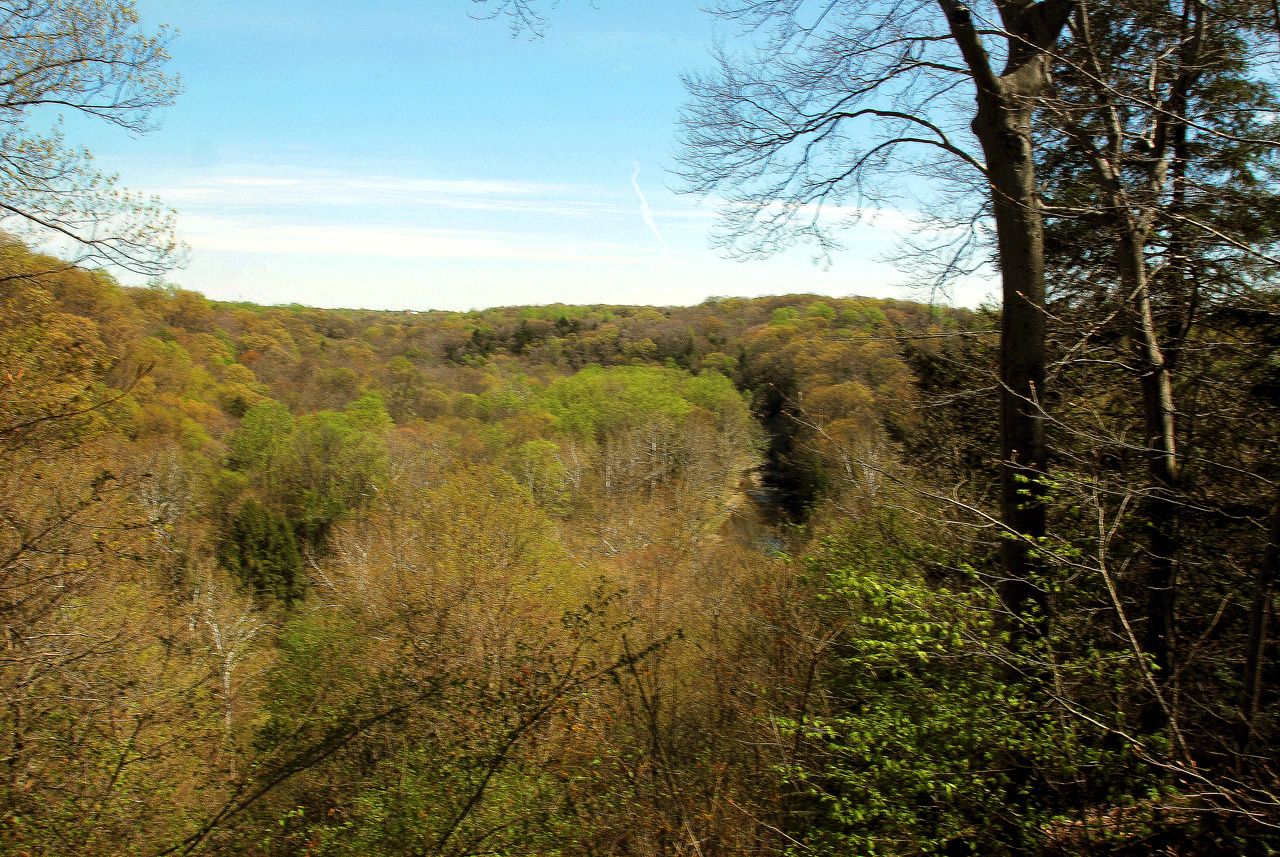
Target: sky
x=410, y=154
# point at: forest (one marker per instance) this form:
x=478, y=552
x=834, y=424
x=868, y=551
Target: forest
x=602, y=580
x=775, y=575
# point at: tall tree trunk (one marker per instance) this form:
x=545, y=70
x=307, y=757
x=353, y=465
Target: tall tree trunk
x=1003, y=127
x=1133, y=212
x=1005, y=133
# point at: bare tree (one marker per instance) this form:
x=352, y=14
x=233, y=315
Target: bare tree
x=523, y=14
x=90, y=57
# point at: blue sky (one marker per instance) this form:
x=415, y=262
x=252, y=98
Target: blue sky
x=406, y=154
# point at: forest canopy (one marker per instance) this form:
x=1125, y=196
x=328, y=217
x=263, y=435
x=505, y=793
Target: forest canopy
x=285, y=580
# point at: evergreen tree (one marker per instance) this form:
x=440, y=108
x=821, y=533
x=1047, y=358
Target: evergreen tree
x=261, y=550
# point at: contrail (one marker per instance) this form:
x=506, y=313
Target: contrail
x=644, y=209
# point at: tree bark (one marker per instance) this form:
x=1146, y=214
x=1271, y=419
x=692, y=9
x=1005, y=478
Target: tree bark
x=1005, y=135
x=1003, y=127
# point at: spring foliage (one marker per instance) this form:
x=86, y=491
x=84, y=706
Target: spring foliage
x=292, y=581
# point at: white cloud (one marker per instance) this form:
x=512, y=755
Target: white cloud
x=313, y=213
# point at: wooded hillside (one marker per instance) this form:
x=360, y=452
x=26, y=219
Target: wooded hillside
x=609, y=580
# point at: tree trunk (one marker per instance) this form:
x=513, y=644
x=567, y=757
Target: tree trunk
x=1003, y=127
x=1005, y=133
x=1133, y=211
x=1160, y=445
x=1268, y=574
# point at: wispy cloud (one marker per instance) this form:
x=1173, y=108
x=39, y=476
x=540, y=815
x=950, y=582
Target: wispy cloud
x=394, y=195
x=239, y=235
x=343, y=227
x=290, y=211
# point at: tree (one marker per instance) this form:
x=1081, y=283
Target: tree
x=104, y=718
x=260, y=549
x=90, y=57
x=1159, y=165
